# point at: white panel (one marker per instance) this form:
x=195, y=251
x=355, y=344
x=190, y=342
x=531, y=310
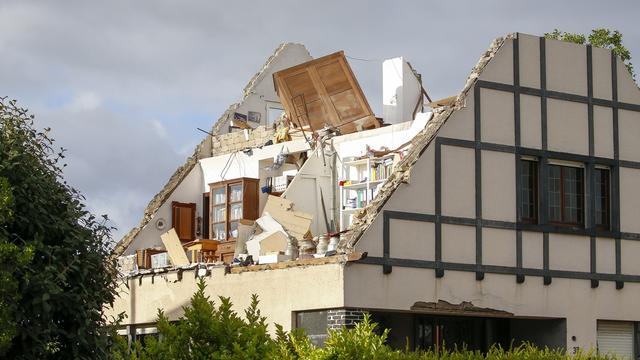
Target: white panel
x=601, y=73
x=498, y=186
x=629, y=132
x=418, y=194
x=532, y=250
x=630, y=257
x=629, y=200
x=459, y=244
x=569, y=252
x=627, y=88
x=615, y=338
x=458, y=181
x=566, y=67
x=412, y=240
x=498, y=247
x=529, y=48
x=500, y=67
x=567, y=126
x=603, y=131
x=605, y=255
x=530, y=122
x=460, y=125
x=497, y=117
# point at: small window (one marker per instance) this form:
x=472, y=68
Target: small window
x=601, y=195
x=566, y=195
x=273, y=114
x=529, y=191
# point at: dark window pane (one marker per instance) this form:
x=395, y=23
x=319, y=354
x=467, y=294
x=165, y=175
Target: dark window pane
x=566, y=194
x=573, y=191
x=529, y=183
x=601, y=195
x=314, y=324
x=555, y=193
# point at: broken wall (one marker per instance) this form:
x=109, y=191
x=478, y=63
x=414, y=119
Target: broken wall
x=281, y=292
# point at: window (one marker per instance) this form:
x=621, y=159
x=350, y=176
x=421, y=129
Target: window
x=529, y=191
x=273, y=114
x=566, y=195
x=601, y=195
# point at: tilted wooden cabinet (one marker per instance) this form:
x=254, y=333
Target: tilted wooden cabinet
x=231, y=201
x=324, y=92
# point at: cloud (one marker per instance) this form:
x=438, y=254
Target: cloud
x=125, y=83
x=84, y=101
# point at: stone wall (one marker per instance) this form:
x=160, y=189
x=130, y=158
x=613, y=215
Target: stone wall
x=337, y=318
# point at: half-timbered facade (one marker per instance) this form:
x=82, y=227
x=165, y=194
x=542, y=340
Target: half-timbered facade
x=523, y=205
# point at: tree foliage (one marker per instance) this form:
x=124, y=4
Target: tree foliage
x=55, y=272
x=602, y=38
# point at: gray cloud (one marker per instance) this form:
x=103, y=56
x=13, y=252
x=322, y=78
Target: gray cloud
x=124, y=84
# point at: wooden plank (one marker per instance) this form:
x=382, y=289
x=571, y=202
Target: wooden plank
x=174, y=248
x=296, y=223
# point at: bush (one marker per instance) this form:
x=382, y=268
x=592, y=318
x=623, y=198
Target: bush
x=208, y=331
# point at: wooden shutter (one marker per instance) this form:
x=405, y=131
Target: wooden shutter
x=324, y=92
x=183, y=217
x=615, y=337
x=206, y=217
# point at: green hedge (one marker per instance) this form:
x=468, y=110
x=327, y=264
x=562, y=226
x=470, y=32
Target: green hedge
x=210, y=331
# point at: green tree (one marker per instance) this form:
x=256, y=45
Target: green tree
x=602, y=38
x=55, y=272
x=206, y=331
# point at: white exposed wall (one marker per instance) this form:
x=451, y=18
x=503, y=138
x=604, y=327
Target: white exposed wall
x=401, y=91
x=264, y=95
x=189, y=191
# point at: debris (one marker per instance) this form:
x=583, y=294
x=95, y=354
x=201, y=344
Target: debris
x=160, y=260
x=272, y=258
x=127, y=264
x=246, y=228
x=174, y=248
x=143, y=257
x=295, y=223
x=443, y=102
x=282, y=135
x=465, y=307
x=201, y=250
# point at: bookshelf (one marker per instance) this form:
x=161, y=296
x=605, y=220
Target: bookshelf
x=361, y=180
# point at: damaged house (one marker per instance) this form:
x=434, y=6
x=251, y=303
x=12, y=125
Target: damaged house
x=503, y=214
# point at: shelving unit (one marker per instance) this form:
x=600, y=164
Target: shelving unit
x=231, y=201
x=362, y=179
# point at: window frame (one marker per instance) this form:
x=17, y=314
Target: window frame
x=580, y=190
x=607, y=196
x=533, y=165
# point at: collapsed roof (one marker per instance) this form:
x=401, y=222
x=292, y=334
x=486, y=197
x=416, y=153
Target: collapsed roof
x=298, y=110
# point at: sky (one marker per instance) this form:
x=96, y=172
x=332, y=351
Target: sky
x=125, y=84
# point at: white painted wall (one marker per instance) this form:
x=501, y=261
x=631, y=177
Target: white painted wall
x=401, y=91
x=264, y=95
x=188, y=191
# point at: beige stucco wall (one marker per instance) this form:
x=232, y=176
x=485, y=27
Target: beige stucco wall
x=574, y=300
x=567, y=122
x=281, y=292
